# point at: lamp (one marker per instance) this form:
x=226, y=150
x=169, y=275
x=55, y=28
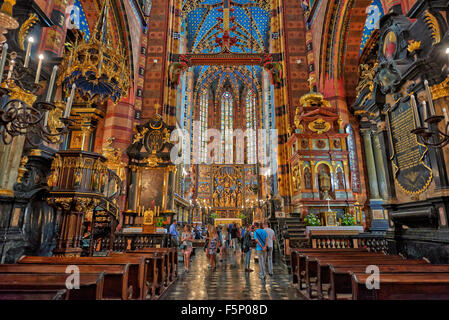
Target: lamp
x=20, y=112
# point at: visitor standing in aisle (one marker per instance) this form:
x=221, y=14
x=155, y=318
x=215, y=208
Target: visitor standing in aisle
x=247, y=248
x=212, y=248
x=260, y=235
x=270, y=241
x=187, y=246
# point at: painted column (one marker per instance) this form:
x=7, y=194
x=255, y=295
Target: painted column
x=380, y=167
x=370, y=164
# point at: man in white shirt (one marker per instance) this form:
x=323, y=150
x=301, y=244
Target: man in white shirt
x=270, y=240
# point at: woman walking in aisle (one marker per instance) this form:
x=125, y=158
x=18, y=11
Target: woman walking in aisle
x=212, y=248
x=224, y=241
x=247, y=248
x=187, y=246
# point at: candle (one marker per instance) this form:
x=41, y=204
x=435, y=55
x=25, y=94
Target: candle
x=70, y=102
x=415, y=111
x=28, y=52
x=424, y=104
x=52, y=83
x=3, y=61
x=445, y=115
x=11, y=68
x=39, y=68
x=429, y=96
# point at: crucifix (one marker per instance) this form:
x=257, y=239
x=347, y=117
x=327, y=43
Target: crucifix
x=310, y=81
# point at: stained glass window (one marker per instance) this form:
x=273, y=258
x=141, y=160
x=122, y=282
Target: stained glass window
x=251, y=126
x=353, y=161
x=204, y=106
x=227, y=126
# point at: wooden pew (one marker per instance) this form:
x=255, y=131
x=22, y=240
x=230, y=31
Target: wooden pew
x=312, y=264
x=156, y=275
x=303, y=257
x=340, y=276
x=116, y=284
x=20, y=286
x=295, y=257
x=402, y=286
x=137, y=268
x=323, y=267
x=172, y=260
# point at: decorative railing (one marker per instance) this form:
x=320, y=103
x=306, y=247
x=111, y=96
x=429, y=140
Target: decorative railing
x=373, y=242
x=137, y=241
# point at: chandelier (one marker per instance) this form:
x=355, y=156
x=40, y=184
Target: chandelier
x=7, y=22
x=97, y=67
x=20, y=112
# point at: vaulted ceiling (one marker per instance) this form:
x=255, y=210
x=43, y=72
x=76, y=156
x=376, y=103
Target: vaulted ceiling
x=249, y=25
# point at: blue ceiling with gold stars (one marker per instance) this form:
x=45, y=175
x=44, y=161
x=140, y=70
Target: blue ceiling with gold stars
x=375, y=12
x=79, y=18
x=251, y=28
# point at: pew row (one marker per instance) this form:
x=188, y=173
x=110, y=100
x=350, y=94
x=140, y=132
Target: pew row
x=137, y=269
x=20, y=286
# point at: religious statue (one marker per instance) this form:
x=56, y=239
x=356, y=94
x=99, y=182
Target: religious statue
x=307, y=178
x=340, y=179
x=325, y=184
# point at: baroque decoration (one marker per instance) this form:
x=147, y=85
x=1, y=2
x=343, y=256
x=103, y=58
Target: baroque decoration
x=97, y=66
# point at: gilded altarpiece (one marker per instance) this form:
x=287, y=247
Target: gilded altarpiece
x=227, y=189
x=320, y=160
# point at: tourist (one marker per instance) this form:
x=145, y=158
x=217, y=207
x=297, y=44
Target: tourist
x=247, y=248
x=235, y=236
x=260, y=235
x=270, y=240
x=187, y=246
x=224, y=242
x=206, y=243
x=212, y=248
x=174, y=233
x=230, y=235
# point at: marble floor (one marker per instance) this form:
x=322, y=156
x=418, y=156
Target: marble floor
x=230, y=281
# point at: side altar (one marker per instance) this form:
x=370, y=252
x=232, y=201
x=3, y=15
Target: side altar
x=150, y=201
x=323, y=172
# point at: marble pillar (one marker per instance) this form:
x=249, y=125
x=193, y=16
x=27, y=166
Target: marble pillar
x=370, y=164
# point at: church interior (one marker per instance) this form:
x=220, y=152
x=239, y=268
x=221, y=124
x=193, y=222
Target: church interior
x=124, y=122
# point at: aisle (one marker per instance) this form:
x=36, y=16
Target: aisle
x=230, y=282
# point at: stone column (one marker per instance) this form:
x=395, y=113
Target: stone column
x=380, y=167
x=370, y=164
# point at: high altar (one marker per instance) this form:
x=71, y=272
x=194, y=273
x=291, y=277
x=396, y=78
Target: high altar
x=228, y=189
x=321, y=163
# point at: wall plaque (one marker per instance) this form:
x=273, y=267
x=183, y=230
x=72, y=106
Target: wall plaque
x=411, y=172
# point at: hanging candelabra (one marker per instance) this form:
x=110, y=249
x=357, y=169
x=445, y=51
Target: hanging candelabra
x=20, y=112
x=429, y=133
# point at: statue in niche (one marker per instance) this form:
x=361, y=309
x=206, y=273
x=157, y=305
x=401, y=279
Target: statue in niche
x=307, y=178
x=325, y=184
x=340, y=179
x=216, y=204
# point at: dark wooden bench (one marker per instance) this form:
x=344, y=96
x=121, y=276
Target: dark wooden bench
x=340, y=276
x=303, y=257
x=156, y=275
x=24, y=286
x=137, y=270
x=295, y=258
x=323, y=267
x=172, y=260
x=402, y=286
x=116, y=284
